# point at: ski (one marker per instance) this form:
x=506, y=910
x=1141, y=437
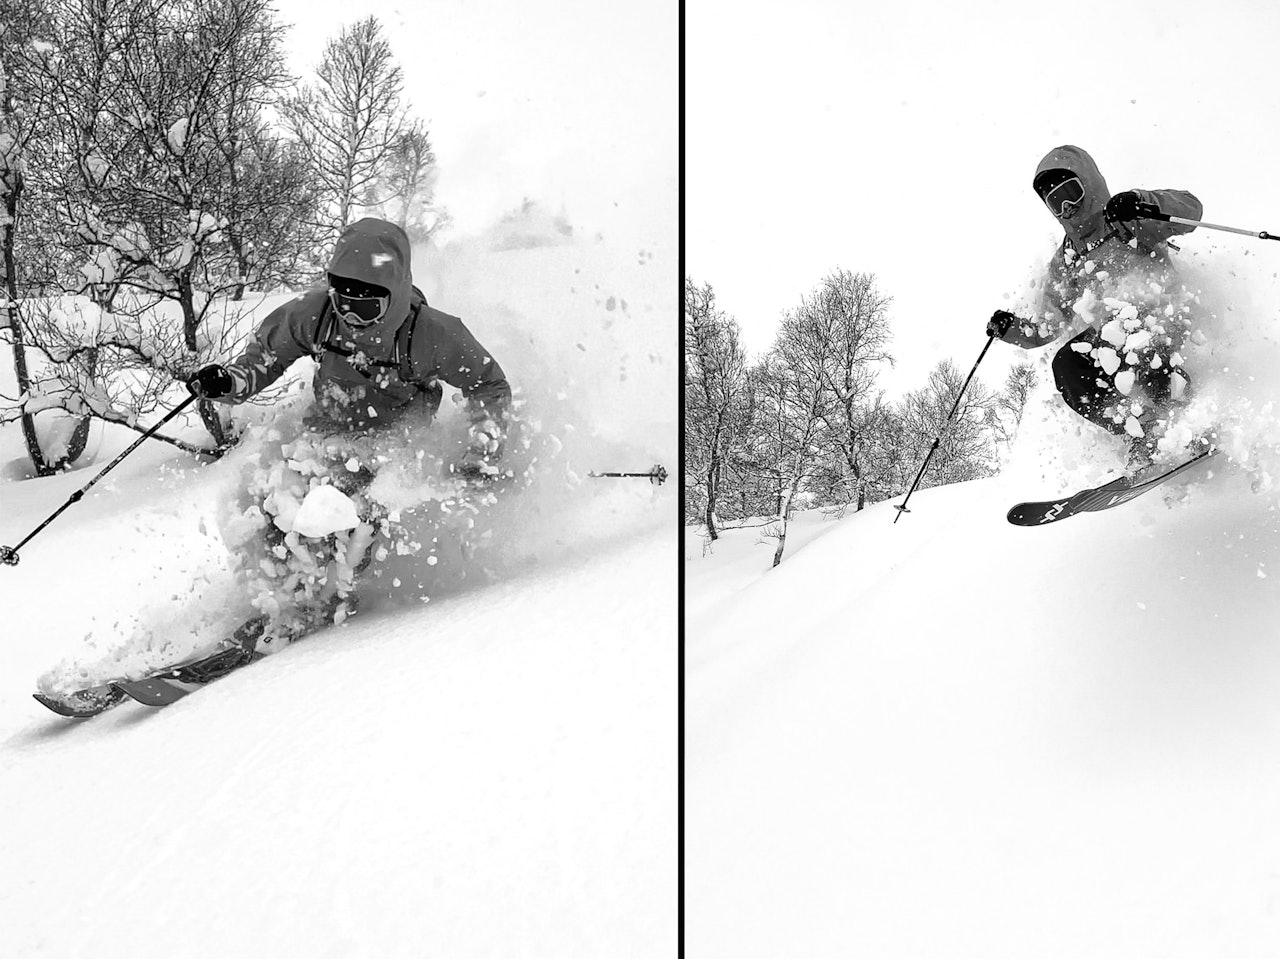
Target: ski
x=166, y=685
x=83, y=703
x=1114, y=493
x=154, y=691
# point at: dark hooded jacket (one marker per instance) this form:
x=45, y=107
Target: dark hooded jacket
x=1134, y=245
x=370, y=377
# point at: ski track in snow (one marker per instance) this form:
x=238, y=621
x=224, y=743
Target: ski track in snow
x=492, y=773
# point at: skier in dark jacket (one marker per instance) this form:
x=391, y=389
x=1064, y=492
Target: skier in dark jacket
x=381, y=350
x=1125, y=376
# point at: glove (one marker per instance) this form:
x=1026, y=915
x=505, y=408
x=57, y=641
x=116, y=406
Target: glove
x=1128, y=206
x=484, y=449
x=1001, y=322
x=211, y=382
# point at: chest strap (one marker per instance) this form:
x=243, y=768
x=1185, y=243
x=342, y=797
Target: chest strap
x=402, y=349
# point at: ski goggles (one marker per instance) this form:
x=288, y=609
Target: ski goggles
x=1068, y=193
x=359, y=311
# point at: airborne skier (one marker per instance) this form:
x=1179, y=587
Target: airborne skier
x=1124, y=372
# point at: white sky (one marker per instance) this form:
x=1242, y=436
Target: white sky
x=901, y=138
x=569, y=102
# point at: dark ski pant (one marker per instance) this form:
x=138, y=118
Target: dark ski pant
x=1092, y=393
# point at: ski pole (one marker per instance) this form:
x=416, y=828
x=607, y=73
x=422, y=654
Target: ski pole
x=1260, y=234
x=902, y=507
x=9, y=554
x=657, y=475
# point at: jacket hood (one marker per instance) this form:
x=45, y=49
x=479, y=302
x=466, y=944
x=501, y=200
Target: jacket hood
x=1088, y=224
x=376, y=251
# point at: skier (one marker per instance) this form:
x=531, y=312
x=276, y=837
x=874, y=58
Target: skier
x=381, y=350
x=1126, y=375
x=381, y=353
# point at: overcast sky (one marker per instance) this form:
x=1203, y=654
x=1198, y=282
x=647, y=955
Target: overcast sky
x=569, y=102
x=901, y=139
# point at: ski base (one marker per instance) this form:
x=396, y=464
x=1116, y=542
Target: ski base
x=1114, y=493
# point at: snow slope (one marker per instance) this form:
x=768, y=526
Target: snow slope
x=483, y=769
x=952, y=736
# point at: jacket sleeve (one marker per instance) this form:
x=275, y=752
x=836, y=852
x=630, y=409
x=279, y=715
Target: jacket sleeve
x=1173, y=203
x=287, y=334
x=459, y=359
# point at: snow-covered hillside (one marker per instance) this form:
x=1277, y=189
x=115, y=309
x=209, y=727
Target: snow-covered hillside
x=480, y=766
x=952, y=736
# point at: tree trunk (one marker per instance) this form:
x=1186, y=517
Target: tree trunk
x=80, y=435
x=242, y=266
x=710, y=515
x=42, y=465
x=713, y=481
x=855, y=468
x=186, y=297
x=784, y=517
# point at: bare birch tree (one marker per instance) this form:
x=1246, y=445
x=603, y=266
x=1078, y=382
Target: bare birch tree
x=350, y=120
x=155, y=111
x=405, y=194
x=1007, y=406
x=21, y=108
x=716, y=394
x=847, y=333
x=966, y=451
x=793, y=404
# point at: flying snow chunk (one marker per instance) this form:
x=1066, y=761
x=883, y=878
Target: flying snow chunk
x=1108, y=359
x=1133, y=427
x=1114, y=333
x=1138, y=340
x=1086, y=307
x=325, y=510
x=1124, y=382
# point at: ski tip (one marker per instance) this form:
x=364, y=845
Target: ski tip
x=88, y=705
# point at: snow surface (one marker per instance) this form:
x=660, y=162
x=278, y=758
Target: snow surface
x=480, y=763
x=951, y=736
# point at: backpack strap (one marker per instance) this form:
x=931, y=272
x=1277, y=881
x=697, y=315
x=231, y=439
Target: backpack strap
x=404, y=348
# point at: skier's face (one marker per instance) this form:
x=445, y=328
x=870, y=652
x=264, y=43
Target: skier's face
x=1065, y=199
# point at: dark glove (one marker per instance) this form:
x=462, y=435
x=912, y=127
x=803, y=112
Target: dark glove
x=211, y=382
x=1128, y=206
x=1001, y=322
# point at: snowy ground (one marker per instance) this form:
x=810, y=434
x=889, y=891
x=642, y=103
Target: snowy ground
x=491, y=773
x=952, y=736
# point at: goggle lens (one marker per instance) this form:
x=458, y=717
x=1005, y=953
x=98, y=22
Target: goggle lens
x=359, y=310
x=1068, y=191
